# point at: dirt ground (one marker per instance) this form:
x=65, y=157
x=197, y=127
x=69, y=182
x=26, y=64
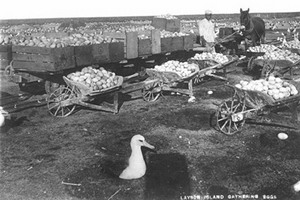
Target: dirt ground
x=79, y=156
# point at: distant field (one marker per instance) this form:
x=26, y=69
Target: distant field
x=220, y=17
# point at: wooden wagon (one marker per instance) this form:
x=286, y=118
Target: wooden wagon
x=247, y=104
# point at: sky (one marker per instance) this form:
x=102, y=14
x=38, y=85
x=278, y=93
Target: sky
x=28, y=9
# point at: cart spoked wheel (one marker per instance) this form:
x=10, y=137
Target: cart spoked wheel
x=231, y=116
x=197, y=79
x=59, y=102
x=152, y=92
x=250, y=64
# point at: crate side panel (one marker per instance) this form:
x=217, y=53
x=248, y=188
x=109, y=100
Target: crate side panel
x=155, y=41
x=116, y=51
x=144, y=47
x=63, y=58
x=32, y=57
x=177, y=44
x=173, y=25
x=83, y=55
x=100, y=53
x=188, y=42
x=131, y=45
x=166, y=45
x=159, y=23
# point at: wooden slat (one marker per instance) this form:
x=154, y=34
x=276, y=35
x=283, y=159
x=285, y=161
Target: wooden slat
x=5, y=48
x=64, y=58
x=155, y=41
x=34, y=66
x=131, y=45
x=5, y=55
x=116, y=51
x=144, y=47
x=32, y=57
x=32, y=50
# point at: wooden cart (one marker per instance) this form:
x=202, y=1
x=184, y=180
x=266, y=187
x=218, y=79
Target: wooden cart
x=211, y=67
x=62, y=102
x=166, y=81
x=244, y=104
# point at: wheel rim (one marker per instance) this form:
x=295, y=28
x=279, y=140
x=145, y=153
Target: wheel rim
x=57, y=102
x=225, y=114
x=151, y=93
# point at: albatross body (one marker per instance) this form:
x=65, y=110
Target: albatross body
x=136, y=165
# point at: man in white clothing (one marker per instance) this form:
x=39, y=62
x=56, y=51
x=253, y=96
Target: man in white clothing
x=207, y=30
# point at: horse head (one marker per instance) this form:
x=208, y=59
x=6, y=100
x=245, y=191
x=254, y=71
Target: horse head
x=245, y=18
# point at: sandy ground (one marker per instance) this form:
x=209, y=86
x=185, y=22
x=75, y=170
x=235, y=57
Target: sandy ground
x=80, y=156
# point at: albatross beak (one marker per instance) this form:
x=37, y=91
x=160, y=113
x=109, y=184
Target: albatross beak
x=146, y=144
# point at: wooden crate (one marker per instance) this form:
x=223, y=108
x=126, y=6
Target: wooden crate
x=225, y=31
x=91, y=54
x=155, y=41
x=172, y=25
x=5, y=56
x=41, y=59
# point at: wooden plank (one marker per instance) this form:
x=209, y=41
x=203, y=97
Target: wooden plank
x=32, y=50
x=32, y=57
x=155, y=41
x=116, y=51
x=166, y=45
x=144, y=47
x=5, y=48
x=34, y=66
x=4, y=64
x=100, y=53
x=188, y=42
x=5, y=55
x=177, y=44
x=131, y=45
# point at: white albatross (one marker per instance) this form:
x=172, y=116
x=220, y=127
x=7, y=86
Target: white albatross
x=136, y=164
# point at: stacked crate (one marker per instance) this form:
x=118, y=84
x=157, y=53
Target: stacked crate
x=5, y=56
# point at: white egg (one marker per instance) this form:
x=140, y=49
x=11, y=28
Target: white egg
x=282, y=136
x=209, y=92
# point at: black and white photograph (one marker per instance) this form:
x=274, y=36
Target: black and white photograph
x=149, y=100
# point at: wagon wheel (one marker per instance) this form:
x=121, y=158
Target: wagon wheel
x=231, y=115
x=250, y=64
x=151, y=92
x=197, y=79
x=58, y=104
x=50, y=86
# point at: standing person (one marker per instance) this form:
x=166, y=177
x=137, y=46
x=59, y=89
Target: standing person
x=207, y=30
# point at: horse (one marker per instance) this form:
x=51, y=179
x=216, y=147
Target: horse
x=254, y=27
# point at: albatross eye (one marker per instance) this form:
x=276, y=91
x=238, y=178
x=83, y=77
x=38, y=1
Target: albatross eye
x=141, y=140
